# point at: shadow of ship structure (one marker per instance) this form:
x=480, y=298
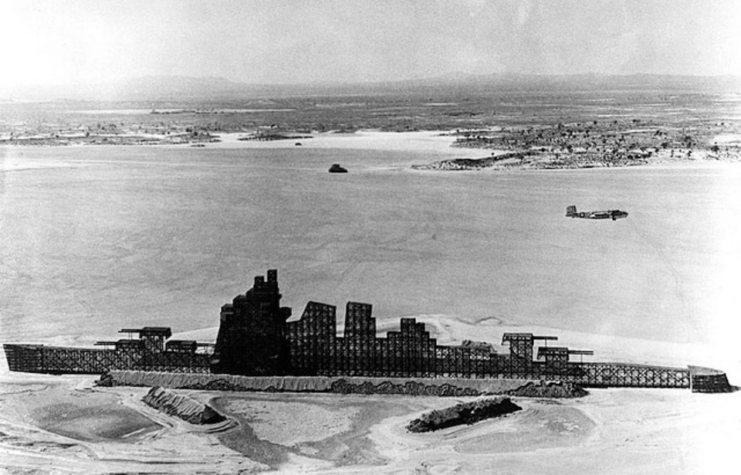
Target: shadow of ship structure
x=256, y=338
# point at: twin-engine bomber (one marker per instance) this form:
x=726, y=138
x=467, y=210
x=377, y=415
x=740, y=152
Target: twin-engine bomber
x=256, y=338
x=613, y=214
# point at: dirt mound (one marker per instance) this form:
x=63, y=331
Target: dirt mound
x=407, y=388
x=347, y=385
x=181, y=406
x=555, y=389
x=465, y=413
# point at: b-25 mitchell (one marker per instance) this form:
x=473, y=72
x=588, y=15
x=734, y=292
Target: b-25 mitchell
x=613, y=214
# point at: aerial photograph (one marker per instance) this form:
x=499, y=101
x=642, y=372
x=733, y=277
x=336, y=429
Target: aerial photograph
x=370, y=237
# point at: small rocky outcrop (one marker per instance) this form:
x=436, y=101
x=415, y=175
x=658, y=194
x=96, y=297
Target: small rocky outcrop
x=181, y=406
x=465, y=413
x=458, y=164
x=105, y=381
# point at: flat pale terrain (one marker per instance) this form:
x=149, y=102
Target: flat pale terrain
x=614, y=431
x=98, y=238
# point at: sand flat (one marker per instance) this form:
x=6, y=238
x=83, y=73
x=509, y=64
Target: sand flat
x=472, y=255
x=618, y=430
x=437, y=143
x=293, y=423
x=64, y=423
x=611, y=431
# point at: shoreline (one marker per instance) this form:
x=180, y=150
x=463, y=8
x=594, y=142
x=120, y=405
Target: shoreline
x=423, y=141
x=439, y=144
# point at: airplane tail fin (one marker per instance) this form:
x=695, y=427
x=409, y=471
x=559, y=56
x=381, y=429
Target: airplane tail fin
x=570, y=211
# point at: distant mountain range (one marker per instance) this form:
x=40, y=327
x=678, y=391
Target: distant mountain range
x=169, y=88
x=586, y=81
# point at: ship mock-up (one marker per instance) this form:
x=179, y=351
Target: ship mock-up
x=255, y=338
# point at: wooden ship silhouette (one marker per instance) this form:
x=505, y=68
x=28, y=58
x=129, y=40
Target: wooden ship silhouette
x=255, y=338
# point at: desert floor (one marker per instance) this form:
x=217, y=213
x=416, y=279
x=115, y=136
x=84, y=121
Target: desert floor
x=63, y=424
x=116, y=237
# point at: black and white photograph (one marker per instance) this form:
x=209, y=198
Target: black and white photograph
x=370, y=237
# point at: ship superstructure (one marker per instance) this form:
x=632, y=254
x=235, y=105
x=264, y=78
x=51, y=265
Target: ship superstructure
x=256, y=338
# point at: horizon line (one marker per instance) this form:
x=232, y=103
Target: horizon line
x=450, y=77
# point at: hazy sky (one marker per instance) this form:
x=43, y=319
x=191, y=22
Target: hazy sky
x=53, y=42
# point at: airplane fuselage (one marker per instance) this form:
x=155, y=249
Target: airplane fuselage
x=613, y=214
